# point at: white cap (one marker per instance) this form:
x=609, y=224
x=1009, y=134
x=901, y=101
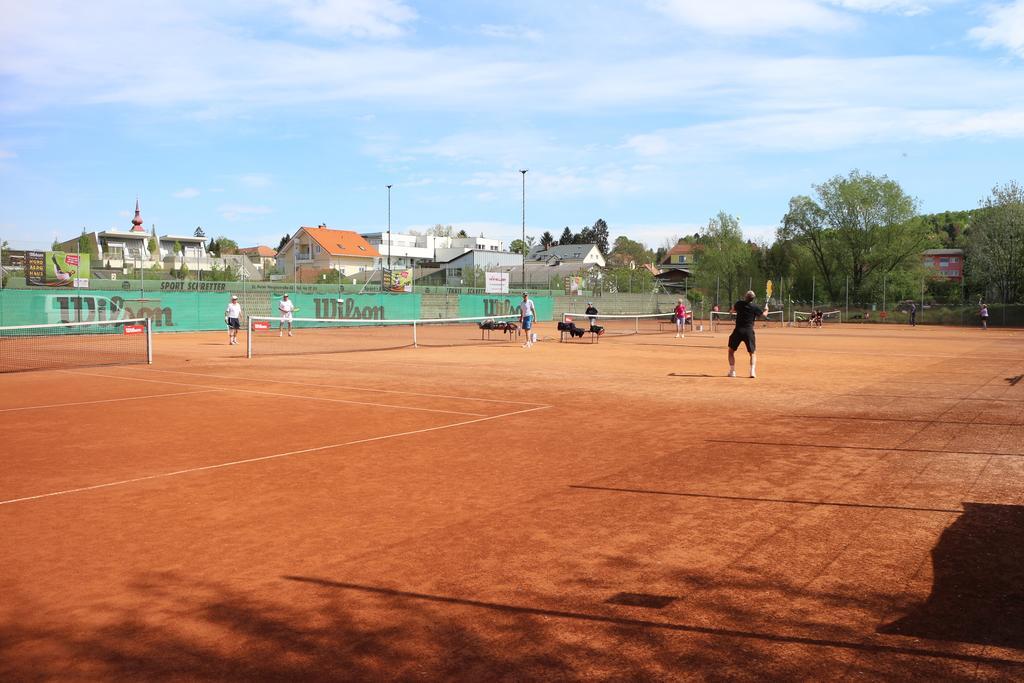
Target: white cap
x=234, y=296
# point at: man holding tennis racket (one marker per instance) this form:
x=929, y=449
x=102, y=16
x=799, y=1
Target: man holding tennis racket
x=679, y=314
x=746, y=313
x=285, y=307
x=233, y=318
x=527, y=314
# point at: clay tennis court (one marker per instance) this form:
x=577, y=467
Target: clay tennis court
x=617, y=510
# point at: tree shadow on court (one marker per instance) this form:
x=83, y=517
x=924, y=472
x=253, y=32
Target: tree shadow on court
x=324, y=629
x=978, y=590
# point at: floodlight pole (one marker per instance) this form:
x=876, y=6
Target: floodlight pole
x=389, y=231
x=523, y=171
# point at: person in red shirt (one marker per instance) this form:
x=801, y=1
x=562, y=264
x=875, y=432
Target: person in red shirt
x=680, y=317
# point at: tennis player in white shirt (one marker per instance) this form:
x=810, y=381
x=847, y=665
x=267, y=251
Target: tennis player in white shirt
x=233, y=318
x=285, y=307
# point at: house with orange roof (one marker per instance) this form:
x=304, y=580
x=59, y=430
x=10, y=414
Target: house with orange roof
x=314, y=250
x=262, y=257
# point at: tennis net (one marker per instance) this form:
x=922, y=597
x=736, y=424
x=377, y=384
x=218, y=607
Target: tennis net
x=69, y=345
x=727, y=318
x=628, y=323
x=806, y=318
x=274, y=336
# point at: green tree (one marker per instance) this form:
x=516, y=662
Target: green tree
x=154, y=246
x=284, y=240
x=461, y=234
x=995, y=249
x=567, y=237
x=599, y=235
x=225, y=246
x=860, y=226
x=725, y=254
x=546, y=240
x=625, y=251
x=183, y=272
x=519, y=247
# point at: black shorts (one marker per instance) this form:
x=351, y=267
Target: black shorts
x=234, y=324
x=745, y=335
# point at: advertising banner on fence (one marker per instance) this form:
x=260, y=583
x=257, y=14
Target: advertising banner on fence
x=398, y=280
x=56, y=269
x=574, y=285
x=497, y=283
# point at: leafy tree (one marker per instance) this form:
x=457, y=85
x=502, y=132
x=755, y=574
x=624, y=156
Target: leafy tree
x=440, y=230
x=996, y=244
x=462, y=233
x=567, y=237
x=284, y=240
x=225, y=246
x=626, y=250
x=546, y=240
x=226, y=274
x=725, y=253
x=599, y=235
x=519, y=247
x=56, y=246
x=859, y=227
x=183, y=271
x=154, y=245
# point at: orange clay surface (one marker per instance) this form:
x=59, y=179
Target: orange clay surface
x=619, y=510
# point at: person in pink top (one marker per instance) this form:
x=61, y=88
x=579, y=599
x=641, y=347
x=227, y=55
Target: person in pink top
x=680, y=317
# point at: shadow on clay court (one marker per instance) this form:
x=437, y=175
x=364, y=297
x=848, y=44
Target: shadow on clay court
x=1013, y=381
x=692, y=374
x=348, y=631
x=978, y=590
x=893, y=449
x=782, y=501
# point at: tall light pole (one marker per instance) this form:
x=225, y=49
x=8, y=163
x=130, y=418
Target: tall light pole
x=523, y=171
x=389, y=227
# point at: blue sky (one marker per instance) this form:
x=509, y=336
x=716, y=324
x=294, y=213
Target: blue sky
x=253, y=117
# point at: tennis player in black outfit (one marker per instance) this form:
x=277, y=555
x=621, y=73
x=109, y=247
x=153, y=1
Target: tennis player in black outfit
x=746, y=313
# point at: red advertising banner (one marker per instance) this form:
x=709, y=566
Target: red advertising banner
x=260, y=325
x=134, y=329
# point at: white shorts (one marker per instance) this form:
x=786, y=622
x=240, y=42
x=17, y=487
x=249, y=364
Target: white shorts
x=286, y=317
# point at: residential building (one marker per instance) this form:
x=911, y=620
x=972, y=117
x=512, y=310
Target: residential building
x=683, y=255
x=448, y=248
x=948, y=263
x=405, y=251
x=314, y=250
x=262, y=258
x=582, y=254
x=483, y=259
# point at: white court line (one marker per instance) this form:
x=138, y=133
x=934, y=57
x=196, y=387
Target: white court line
x=267, y=457
x=108, y=400
x=271, y=393
x=342, y=386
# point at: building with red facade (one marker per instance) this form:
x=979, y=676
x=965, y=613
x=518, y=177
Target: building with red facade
x=947, y=263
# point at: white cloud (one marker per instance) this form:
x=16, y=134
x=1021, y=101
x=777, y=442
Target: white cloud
x=506, y=32
x=1004, y=28
x=752, y=17
x=234, y=212
x=255, y=180
x=6, y=154
x=361, y=18
x=904, y=7
x=187, y=193
x=828, y=129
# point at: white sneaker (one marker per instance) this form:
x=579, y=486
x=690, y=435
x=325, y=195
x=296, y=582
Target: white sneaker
x=677, y=336
x=732, y=373
x=753, y=375
x=289, y=334
x=280, y=334
x=682, y=336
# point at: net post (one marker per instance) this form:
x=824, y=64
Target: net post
x=149, y=340
x=415, y=343
x=248, y=337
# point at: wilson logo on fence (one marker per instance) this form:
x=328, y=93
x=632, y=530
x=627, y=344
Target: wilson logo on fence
x=134, y=329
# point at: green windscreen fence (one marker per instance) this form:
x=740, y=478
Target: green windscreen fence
x=192, y=306
x=473, y=305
